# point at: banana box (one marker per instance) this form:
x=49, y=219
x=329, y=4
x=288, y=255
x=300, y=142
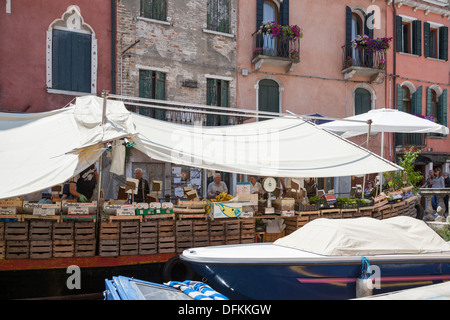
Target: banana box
x=219, y=210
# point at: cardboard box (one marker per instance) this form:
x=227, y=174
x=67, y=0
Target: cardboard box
x=243, y=188
x=284, y=204
x=225, y=210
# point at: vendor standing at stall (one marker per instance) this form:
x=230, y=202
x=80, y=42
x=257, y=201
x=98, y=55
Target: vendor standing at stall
x=143, y=186
x=83, y=184
x=216, y=187
x=255, y=186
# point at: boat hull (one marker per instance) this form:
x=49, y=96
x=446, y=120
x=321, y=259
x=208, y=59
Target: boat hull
x=315, y=279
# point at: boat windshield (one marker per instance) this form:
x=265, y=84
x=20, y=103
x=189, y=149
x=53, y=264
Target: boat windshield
x=151, y=292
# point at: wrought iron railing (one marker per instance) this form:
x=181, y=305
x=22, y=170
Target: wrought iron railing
x=267, y=45
x=362, y=57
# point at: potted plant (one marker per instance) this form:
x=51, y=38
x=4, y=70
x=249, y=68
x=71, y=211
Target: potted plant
x=257, y=51
x=290, y=33
x=294, y=54
x=349, y=62
x=382, y=64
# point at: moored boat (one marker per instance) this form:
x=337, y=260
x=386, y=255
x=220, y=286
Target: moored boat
x=323, y=260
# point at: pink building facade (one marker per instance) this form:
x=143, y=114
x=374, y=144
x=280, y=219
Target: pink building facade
x=50, y=54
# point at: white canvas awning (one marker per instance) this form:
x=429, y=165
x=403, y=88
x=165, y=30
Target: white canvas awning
x=42, y=150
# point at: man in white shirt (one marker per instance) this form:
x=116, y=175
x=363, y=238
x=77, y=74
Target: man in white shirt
x=255, y=186
x=216, y=187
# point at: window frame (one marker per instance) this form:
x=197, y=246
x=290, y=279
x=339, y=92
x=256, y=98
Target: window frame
x=220, y=17
x=153, y=17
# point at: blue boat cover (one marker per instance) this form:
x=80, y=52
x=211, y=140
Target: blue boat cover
x=197, y=290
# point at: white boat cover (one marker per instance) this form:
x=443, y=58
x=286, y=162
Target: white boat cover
x=41, y=150
x=365, y=236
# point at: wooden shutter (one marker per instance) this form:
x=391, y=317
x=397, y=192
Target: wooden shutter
x=211, y=100
x=426, y=39
x=224, y=16
x=146, y=8
x=159, y=10
x=348, y=31
x=399, y=98
x=442, y=108
x=429, y=98
x=284, y=13
x=259, y=13
x=146, y=90
x=61, y=60
x=363, y=101
x=417, y=37
x=224, y=88
x=398, y=34
x=81, y=62
x=160, y=93
x=443, y=43
x=268, y=96
x=367, y=30
x=416, y=101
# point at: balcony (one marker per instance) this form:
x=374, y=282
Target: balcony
x=410, y=139
x=269, y=50
x=363, y=62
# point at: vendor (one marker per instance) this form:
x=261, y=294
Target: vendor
x=216, y=187
x=255, y=186
x=370, y=191
x=83, y=184
x=143, y=186
x=310, y=186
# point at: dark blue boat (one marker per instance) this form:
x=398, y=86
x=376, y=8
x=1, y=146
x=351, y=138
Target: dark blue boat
x=324, y=260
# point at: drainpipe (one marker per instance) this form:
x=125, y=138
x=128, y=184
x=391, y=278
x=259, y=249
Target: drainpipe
x=121, y=62
x=113, y=46
x=395, y=53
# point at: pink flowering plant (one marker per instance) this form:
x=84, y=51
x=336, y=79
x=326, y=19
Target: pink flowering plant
x=294, y=53
x=431, y=118
x=372, y=45
x=290, y=33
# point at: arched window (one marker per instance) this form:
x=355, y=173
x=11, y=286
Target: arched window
x=363, y=101
x=406, y=100
x=268, y=96
x=71, y=55
x=270, y=13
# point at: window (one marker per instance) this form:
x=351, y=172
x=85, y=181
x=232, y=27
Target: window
x=152, y=85
x=363, y=101
x=406, y=107
x=71, y=55
x=218, y=18
x=437, y=104
x=409, y=35
x=154, y=9
x=268, y=96
x=356, y=25
x=435, y=41
x=217, y=93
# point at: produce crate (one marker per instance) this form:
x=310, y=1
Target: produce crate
x=16, y=230
x=271, y=237
x=85, y=248
x=247, y=226
x=129, y=246
x=366, y=211
x=232, y=239
x=296, y=222
x=331, y=213
x=232, y=227
x=63, y=230
x=40, y=230
x=348, y=213
x=200, y=228
x=166, y=245
x=63, y=248
x=148, y=229
x=109, y=230
x=2, y=230
x=17, y=249
x=247, y=238
x=166, y=228
x=216, y=229
x=148, y=245
x=84, y=230
x=41, y=249
x=183, y=229
x=202, y=241
x=2, y=249
x=184, y=243
x=109, y=247
x=129, y=230
x=217, y=240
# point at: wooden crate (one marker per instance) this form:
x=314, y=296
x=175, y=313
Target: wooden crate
x=247, y=226
x=348, y=213
x=166, y=228
x=129, y=246
x=148, y=229
x=2, y=249
x=217, y=240
x=166, y=245
x=41, y=249
x=331, y=213
x=271, y=237
x=109, y=247
x=85, y=248
x=109, y=230
x=2, y=230
x=217, y=229
x=232, y=239
x=148, y=245
x=84, y=230
x=63, y=230
x=183, y=243
x=200, y=228
x=129, y=230
x=232, y=227
x=366, y=211
x=63, y=248
x=183, y=228
x=16, y=230
x=296, y=222
x=247, y=238
x=202, y=241
x=17, y=249
x=40, y=230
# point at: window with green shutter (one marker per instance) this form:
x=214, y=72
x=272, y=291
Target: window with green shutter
x=152, y=85
x=217, y=94
x=154, y=9
x=363, y=101
x=268, y=96
x=71, y=61
x=408, y=36
x=435, y=41
x=437, y=107
x=218, y=17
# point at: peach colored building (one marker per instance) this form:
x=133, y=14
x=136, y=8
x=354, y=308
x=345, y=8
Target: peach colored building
x=318, y=81
x=418, y=72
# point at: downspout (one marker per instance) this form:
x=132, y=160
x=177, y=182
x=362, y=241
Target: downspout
x=394, y=105
x=113, y=46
